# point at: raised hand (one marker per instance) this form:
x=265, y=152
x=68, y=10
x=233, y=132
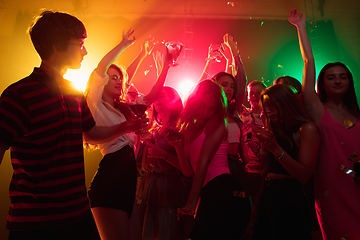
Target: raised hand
x=148, y=45
x=296, y=19
x=216, y=52
x=231, y=44
x=159, y=61
x=127, y=37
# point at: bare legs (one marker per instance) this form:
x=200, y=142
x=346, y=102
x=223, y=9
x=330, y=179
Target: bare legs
x=113, y=224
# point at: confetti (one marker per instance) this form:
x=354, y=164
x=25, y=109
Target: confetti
x=250, y=18
x=353, y=156
x=280, y=66
x=262, y=23
x=343, y=144
x=146, y=72
x=231, y=4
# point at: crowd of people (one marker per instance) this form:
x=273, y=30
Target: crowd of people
x=206, y=169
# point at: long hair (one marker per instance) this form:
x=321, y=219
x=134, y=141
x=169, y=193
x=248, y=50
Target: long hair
x=350, y=99
x=194, y=103
x=216, y=78
x=290, y=110
x=119, y=102
x=123, y=76
x=175, y=104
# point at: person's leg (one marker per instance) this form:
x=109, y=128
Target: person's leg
x=135, y=224
x=113, y=224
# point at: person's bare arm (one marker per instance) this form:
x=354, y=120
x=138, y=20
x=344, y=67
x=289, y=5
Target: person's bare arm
x=156, y=89
x=110, y=57
x=310, y=99
x=103, y=134
x=308, y=152
x=240, y=74
x=146, y=50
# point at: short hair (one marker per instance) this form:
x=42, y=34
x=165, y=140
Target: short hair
x=256, y=83
x=54, y=29
x=292, y=82
x=350, y=99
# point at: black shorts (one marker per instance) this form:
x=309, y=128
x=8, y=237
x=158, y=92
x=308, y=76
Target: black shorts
x=114, y=184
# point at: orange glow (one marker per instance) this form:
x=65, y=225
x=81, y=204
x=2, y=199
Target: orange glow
x=79, y=77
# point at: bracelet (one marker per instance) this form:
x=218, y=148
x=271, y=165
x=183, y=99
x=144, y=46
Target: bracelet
x=281, y=156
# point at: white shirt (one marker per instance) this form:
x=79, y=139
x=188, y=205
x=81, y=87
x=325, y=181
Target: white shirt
x=104, y=114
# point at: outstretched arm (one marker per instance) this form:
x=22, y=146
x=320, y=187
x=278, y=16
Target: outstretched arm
x=146, y=50
x=110, y=57
x=240, y=75
x=310, y=99
x=156, y=89
x=215, y=52
x=103, y=134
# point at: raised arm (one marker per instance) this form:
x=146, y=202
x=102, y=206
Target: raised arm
x=214, y=54
x=110, y=57
x=156, y=89
x=239, y=70
x=311, y=100
x=146, y=50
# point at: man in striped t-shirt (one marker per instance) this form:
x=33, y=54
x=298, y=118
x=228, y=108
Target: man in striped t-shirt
x=43, y=120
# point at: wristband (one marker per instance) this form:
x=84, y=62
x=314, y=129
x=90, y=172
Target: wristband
x=281, y=156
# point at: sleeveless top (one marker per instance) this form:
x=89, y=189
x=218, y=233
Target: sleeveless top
x=219, y=163
x=337, y=194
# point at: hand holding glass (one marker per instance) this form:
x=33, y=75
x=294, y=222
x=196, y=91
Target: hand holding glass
x=174, y=49
x=138, y=108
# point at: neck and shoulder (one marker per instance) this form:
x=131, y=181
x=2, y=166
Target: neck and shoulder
x=339, y=112
x=53, y=69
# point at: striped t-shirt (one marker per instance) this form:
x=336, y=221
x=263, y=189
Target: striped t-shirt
x=42, y=122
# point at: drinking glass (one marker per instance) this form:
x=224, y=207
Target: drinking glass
x=215, y=53
x=138, y=107
x=174, y=48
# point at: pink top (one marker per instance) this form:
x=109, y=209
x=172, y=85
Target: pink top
x=218, y=165
x=337, y=195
